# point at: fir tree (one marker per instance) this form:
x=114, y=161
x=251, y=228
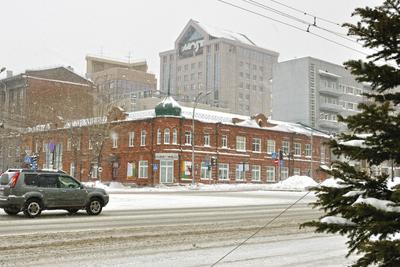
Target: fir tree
x=363, y=207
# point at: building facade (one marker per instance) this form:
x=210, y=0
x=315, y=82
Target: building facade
x=41, y=96
x=155, y=147
x=229, y=65
x=121, y=83
x=314, y=92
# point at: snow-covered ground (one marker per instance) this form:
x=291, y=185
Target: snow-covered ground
x=162, y=197
x=128, y=201
x=294, y=183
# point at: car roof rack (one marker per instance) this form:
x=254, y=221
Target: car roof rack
x=37, y=171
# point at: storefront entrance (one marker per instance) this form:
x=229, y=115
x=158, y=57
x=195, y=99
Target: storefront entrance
x=166, y=171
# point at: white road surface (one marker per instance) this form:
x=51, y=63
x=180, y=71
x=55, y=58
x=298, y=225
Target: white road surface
x=174, y=229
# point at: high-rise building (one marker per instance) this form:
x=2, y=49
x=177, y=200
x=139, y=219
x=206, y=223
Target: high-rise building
x=314, y=92
x=120, y=83
x=233, y=68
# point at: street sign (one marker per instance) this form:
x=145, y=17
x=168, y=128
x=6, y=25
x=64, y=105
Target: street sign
x=155, y=167
x=27, y=159
x=276, y=162
x=274, y=155
x=100, y=169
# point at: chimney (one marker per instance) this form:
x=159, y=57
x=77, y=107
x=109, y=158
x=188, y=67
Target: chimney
x=9, y=73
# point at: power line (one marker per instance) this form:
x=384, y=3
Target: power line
x=311, y=24
x=305, y=13
x=295, y=27
x=261, y=228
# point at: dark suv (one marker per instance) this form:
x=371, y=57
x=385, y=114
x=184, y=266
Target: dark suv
x=32, y=191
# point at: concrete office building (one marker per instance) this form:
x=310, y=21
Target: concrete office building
x=120, y=82
x=237, y=72
x=314, y=92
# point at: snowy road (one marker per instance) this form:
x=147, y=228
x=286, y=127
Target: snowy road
x=195, y=233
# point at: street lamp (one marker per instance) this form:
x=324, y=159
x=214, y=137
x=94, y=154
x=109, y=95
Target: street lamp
x=196, y=100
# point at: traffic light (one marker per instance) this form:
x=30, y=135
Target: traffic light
x=34, y=160
x=213, y=161
x=280, y=155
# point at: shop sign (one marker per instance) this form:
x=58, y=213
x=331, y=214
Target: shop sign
x=166, y=156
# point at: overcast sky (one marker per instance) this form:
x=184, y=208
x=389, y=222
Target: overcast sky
x=45, y=33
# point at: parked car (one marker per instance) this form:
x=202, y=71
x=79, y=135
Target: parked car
x=32, y=191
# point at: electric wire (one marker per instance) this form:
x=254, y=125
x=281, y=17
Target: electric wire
x=281, y=13
x=304, y=12
x=293, y=26
x=259, y=229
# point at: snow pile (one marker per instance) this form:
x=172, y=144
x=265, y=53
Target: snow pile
x=333, y=182
x=379, y=204
x=116, y=185
x=390, y=237
x=336, y=220
x=391, y=184
x=354, y=193
x=96, y=184
x=296, y=183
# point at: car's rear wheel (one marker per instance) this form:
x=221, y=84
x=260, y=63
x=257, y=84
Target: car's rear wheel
x=94, y=206
x=32, y=208
x=72, y=211
x=12, y=211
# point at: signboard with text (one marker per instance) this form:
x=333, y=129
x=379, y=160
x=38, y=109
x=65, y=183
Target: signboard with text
x=166, y=156
x=191, y=43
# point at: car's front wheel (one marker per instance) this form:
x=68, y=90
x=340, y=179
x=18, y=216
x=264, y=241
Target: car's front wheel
x=32, y=208
x=12, y=211
x=94, y=206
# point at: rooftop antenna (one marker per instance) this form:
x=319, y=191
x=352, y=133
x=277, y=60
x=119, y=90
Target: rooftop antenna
x=169, y=86
x=129, y=56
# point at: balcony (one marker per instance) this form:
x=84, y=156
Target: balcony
x=330, y=107
x=330, y=91
x=329, y=125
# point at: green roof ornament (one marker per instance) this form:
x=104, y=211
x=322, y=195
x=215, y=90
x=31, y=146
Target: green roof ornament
x=168, y=107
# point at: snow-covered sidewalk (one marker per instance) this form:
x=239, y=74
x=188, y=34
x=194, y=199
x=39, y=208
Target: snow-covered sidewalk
x=294, y=183
x=175, y=200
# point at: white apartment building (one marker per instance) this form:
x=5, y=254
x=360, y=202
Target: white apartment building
x=314, y=92
x=229, y=65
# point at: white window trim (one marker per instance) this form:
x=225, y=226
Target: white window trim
x=175, y=136
x=239, y=140
x=115, y=141
x=258, y=168
x=259, y=145
x=207, y=140
x=143, y=165
x=131, y=139
x=167, y=136
x=227, y=171
x=224, y=137
x=294, y=150
x=143, y=138
x=272, y=141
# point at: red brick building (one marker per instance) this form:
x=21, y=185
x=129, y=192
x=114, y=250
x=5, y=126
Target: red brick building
x=37, y=97
x=154, y=146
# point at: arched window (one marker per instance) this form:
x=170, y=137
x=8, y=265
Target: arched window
x=175, y=136
x=143, y=138
x=158, y=136
x=166, y=136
